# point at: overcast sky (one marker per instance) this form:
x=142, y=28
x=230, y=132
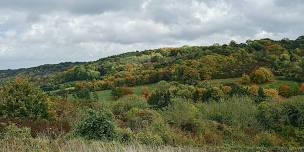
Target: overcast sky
x=35, y=32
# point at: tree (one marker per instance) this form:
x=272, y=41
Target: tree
x=20, y=98
x=81, y=73
x=261, y=75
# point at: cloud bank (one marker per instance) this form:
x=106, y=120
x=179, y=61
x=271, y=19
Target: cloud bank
x=34, y=32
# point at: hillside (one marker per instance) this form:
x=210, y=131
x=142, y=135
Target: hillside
x=186, y=64
x=229, y=97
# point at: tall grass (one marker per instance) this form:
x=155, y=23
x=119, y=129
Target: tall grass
x=47, y=145
x=236, y=111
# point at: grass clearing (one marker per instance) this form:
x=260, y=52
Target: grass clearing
x=105, y=95
x=277, y=83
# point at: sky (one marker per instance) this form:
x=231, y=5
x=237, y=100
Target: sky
x=36, y=32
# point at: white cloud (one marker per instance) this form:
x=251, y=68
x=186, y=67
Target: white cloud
x=35, y=32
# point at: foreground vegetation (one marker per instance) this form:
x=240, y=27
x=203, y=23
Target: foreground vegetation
x=244, y=97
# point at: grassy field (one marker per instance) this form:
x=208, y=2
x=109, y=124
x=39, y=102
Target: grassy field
x=106, y=94
x=277, y=83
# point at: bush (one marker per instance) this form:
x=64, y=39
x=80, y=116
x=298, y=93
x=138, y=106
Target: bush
x=214, y=93
x=253, y=89
x=261, y=75
x=20, y=98
x=160, y=99
x=289, y=112
x=245, y=79
x=83, y=94
x=145, y=92
x=267, y=140
x=138, y=119
x=238, y=90
x=125, y=104
x=273, y=93
x=184, y=115
x=118, y=92
x=286, y=90
x=148, y=138
x=96, y=125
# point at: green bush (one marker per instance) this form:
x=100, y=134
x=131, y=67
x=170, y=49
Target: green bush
x=213, y=93
x=184, y=115
x=238, y=90
x=123, y=105
x=83, y=94
x=20, y=98
x=245, y=79
x=160, y=99
x=148, y=138
x=261, y=75
x=289, y=112
x=96, y=125
x=138, y=119
x=287, y=90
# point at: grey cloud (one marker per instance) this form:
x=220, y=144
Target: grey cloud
x=74, y=6
x=34, y=32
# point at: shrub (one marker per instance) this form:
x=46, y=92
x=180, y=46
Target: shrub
x=20, y=98
x=83, y=94
x=226, y=89
x=238, y=90
x=160, y=99
x=261, y=75
x=245, y=79
x=145, y=92
x=267, y=140
x=273, y=93
x=214, y=93
x=138, y=119
x=184, y=115
x=289, y=112
x=118, y=92
x=286, y=90
x=261, y=95
x=148, y=138
x=125, y=135
x=123, y=105
x=96, y=125
x=253, y=89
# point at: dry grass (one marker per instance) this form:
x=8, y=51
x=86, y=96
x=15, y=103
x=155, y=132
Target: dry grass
x=46, y=145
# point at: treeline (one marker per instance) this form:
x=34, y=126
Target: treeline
x=187, y=64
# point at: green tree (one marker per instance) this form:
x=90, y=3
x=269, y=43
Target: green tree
x=261, y=75
x=20, y=98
